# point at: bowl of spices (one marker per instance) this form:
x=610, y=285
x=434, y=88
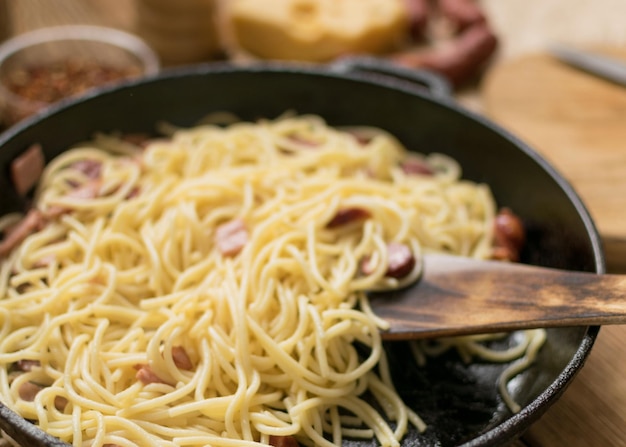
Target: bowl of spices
x=47, y=65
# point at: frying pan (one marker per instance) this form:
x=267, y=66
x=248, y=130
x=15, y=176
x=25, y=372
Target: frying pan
x=459, y=402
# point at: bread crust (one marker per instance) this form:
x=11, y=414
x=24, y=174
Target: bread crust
x=317, y=30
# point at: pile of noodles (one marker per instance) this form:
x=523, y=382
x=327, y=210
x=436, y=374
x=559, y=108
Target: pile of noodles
x=277, y=334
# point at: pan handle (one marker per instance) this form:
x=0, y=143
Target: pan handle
x=374, y=68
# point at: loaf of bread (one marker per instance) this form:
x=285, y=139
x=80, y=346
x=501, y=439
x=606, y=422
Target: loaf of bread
x=181, y=31
x=316, y=30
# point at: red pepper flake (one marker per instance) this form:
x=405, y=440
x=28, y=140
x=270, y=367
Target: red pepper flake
x=52, y=82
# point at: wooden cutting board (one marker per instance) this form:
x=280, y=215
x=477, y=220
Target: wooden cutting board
x=575, y=120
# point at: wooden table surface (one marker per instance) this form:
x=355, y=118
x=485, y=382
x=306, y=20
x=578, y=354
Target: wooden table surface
x=592, y=412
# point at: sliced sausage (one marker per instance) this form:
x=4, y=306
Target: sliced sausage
x=415, y=166
x=181, y=358
x=28, y=391
x=27, y=168
x=509, y=229
x=60, y=403
x=509, y=236
x=283, y=441
x=302, y=141
x=27, y=364
x=32, y=222
x=418, y=12
x=146, y=375
x=231, y=237
x=400, y=260
x=88, y=190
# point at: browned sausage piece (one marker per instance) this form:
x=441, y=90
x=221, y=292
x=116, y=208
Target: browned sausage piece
x=27, y=364
x=509, y=229
x=283, y=441
x=90, y=168
x=137, y=139
x=418, y=12
x=27, y=168
x=60, y=403
x=181, y=359
x=461, y=13
x=146, y=376
x=28, y=391
x=231, y=237
x=509, y=236
x=414, y=166
x=302, y=141
x=347, y=215
x=88, y=190
x=459, y=59
x=400, y=260
x=33, y=221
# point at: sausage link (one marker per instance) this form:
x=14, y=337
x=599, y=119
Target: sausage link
x=459, y=60
x=462, y=14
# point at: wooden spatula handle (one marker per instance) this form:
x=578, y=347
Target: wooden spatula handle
x=460, y=296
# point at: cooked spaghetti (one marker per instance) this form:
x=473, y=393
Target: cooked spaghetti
x=209, y=289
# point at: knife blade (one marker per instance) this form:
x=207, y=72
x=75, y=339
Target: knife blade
x=608, y=68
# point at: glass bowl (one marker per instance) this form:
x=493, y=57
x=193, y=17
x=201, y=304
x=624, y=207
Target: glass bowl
x=41, y=67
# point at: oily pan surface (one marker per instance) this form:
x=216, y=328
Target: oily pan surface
x=460, y=403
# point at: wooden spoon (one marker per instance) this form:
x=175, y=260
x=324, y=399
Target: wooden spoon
x=462, y=296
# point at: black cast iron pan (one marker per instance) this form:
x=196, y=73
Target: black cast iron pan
x=459, y=402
